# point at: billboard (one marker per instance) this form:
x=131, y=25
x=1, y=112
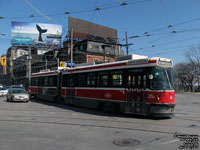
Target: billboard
x=40, y=35
x=85, y=30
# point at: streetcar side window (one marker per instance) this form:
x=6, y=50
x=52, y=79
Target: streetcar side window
x=81, y=80
x=45, y=81
x=144, y=81
x=133, y=81
x=71, y=81
x=32, y=81
x=116, y=78
x=129, y=81
x=64, y=80
x=139, y=81
x=40, y=81
x=52, y=80
x=36, y=82
x=91, y=78
x=102, y=79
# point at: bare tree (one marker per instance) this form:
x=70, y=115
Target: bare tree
x=184, y=76
x=193, y=56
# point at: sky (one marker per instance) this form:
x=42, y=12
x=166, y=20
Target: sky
x=156, y=28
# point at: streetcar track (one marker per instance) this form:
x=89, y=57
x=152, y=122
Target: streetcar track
x=100, y=120
x=86, y=125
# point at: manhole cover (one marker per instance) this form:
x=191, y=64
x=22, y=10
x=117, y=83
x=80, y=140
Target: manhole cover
x=192, y=126
x=126, y=142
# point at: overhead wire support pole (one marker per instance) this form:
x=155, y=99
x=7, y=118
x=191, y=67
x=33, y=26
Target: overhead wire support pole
x=127, y=44
x=71, y=47
x=29, y=66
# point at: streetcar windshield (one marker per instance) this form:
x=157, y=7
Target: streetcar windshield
x=162, y=79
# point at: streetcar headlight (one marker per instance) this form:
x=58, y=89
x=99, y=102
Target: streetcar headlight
x=158, y=97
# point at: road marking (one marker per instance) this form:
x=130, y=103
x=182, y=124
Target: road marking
x=169, y=142
x=140, y=148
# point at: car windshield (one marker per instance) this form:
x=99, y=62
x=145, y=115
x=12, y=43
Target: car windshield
x=3, y=89
x=162, y=79
x=19, y=91
x=7, y=87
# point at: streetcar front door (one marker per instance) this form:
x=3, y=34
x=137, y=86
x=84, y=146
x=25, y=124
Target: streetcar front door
x=136, y=97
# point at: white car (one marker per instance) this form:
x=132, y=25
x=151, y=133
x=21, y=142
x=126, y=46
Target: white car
x=3, y=91
x=17, y=94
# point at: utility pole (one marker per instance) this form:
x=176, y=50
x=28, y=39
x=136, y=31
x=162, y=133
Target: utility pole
x=71, y=47
x=127, y=44
x=29, y=66
x=46, y=63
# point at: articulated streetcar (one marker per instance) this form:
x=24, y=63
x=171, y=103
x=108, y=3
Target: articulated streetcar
x=133, y=84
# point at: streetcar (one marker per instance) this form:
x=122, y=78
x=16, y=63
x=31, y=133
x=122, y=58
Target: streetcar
x=132, y=84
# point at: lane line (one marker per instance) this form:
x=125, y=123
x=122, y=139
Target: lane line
x=169, y=142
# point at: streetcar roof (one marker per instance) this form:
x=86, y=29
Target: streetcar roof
x=45, y=73
x=131, y=61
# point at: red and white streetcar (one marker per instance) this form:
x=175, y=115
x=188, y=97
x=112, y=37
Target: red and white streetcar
x=133, y=84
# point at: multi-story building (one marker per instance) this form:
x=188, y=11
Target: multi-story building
x=97, y=44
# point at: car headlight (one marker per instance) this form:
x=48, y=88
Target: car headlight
x=27, y=96
x=15, y=97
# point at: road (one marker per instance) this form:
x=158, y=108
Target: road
x=39, y=125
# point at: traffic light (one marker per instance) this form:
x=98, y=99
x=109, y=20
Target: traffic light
x=3, y=61
x=61, y=64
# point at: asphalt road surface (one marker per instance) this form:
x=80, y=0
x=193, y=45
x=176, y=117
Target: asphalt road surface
x=39, y=125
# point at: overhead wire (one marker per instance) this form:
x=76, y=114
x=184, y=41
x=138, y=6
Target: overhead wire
x=163, y=44
x=113, y=5
x=169, y=26
x=102, y=7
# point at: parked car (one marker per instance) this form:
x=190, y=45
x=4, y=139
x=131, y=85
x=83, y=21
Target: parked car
x=1, y=86
x=7, y=87
x=17, y=94
x=17, y=86
x=3, y=91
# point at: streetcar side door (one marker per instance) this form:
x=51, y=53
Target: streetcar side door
x=140, y=106
x=136, y=83
x=71, y=89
